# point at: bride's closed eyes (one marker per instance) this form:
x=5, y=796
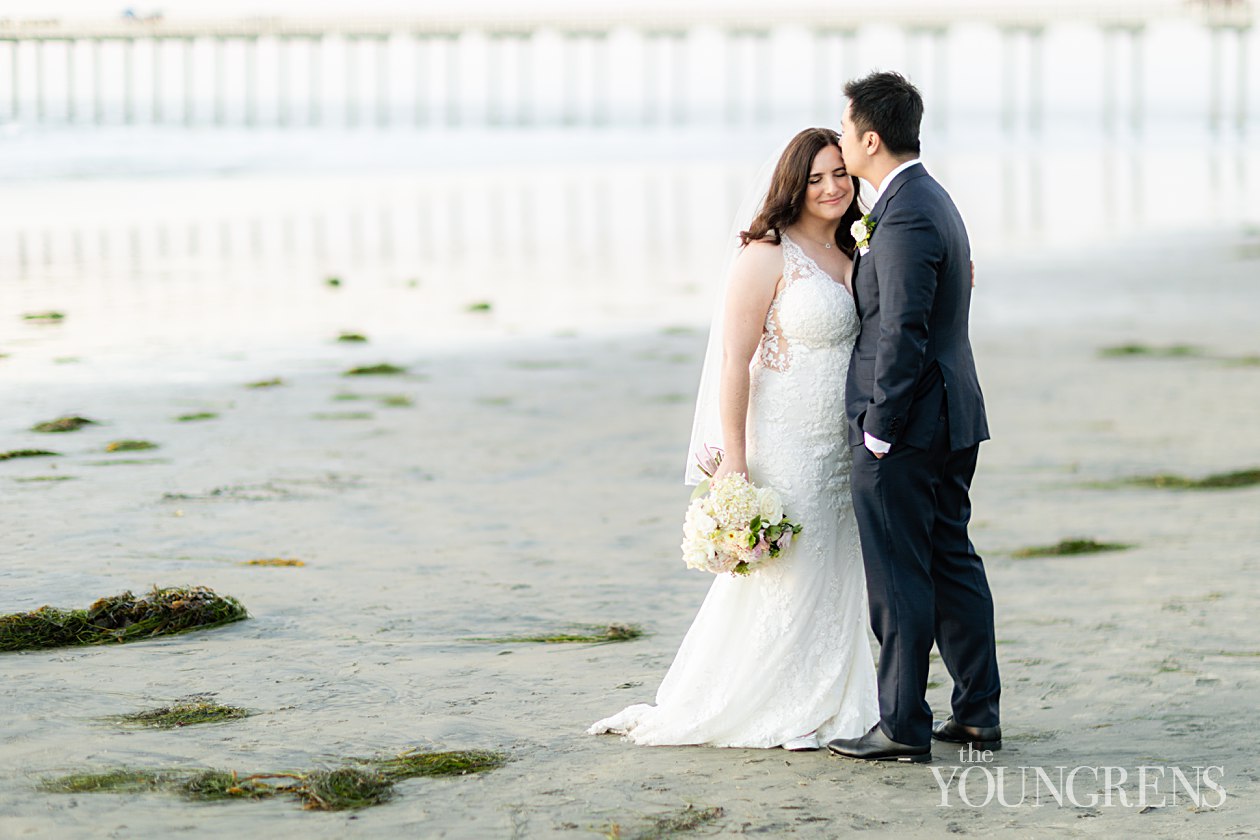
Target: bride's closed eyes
x=816, y=177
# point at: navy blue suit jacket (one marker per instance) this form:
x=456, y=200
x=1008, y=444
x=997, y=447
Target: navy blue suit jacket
x=913, y=294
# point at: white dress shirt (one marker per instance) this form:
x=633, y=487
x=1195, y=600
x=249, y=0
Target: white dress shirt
x=881, y=447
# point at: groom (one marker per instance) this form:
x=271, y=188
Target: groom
x=916, y=419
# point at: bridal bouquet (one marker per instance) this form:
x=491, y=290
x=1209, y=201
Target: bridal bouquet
x=735, y=527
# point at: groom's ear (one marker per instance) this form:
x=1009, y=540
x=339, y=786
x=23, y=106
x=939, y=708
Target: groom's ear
x=872, y=143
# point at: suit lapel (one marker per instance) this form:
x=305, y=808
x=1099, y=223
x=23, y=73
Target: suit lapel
x=857, y=263
x=903, y=177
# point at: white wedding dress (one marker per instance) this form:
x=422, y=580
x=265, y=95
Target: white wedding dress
x=783, y=652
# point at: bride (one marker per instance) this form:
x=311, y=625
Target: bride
x=780, y=657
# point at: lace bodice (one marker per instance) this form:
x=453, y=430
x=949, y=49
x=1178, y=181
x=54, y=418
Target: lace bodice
x=810, y=310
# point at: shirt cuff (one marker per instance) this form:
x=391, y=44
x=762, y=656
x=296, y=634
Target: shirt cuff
x=879, y=447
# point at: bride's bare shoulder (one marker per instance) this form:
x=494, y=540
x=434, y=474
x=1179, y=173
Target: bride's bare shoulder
x=760, y=262
x=765, y=251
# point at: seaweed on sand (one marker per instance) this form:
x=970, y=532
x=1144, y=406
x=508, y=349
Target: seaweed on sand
x=376, y=370
x=183, y=714
x=343, y=789
x=387, y=400
x=661, y=828
x=1169, y=481
x=266, y=383
x=199, y=415
x=595, y=634
x=130, y=445
x=214, y=785
x=121, y=780
x=274, y=561
x=52, y=316
x=1175, y=351
x=340, y=789
x=352, y=338
x=63, y=424
x=417, y=763
x=25, y=453
x=120, y=618
x=1068, y=547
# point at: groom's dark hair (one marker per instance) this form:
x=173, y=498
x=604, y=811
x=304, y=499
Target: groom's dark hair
x=887, y=104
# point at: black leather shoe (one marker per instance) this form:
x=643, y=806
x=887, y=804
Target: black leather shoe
x=981, y=737
x=876, y=746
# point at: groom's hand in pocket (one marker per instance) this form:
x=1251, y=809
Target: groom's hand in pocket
x=877, y=447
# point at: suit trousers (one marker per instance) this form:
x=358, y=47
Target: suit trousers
x=925, y=582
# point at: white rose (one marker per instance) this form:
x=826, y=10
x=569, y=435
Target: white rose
x=769, y=506
x=695, y=558
x=858, y=230
x=703, y=523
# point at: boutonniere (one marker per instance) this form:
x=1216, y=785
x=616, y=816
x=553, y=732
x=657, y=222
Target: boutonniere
x=862, y=230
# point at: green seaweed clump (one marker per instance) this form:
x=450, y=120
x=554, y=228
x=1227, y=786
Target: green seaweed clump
x=63, y=424
x=480, y=306
x=416, y=763
x=200, y=415
x=609, y=633
x=352, y=338
x=49, y=317
x=376, y=370
x=397, y=401
x=274, y=561
x=1069, y=547
x=217, y=785
x=184, y=714
x=120, y=618
x=332, y=282
x=130, y=446
x=343, y=789
x=688, y=819
x=122, y=780
x=266, y=383
x=25, y=453
x=1218, y=481
x=1175, y=351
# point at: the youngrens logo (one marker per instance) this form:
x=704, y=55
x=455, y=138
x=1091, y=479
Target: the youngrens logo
x=977, y=785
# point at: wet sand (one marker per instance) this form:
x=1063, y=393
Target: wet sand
x=536, y=484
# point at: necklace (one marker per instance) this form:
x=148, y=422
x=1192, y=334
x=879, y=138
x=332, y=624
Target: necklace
x=827, y=245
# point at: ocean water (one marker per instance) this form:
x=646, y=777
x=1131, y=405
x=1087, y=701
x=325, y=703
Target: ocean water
x=190, y=246
x=180, y=251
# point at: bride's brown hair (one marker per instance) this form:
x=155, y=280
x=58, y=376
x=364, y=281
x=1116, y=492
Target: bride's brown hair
x=788, y=184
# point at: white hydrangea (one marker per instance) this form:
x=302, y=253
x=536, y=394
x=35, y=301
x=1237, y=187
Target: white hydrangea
x=733, y=501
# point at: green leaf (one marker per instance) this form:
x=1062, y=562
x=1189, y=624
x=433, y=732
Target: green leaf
x=701, y=489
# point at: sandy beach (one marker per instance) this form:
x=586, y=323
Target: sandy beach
x=534, y=485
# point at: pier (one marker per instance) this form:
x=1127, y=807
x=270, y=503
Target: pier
x=640, y=66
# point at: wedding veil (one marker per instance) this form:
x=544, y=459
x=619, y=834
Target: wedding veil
x=706, y=428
